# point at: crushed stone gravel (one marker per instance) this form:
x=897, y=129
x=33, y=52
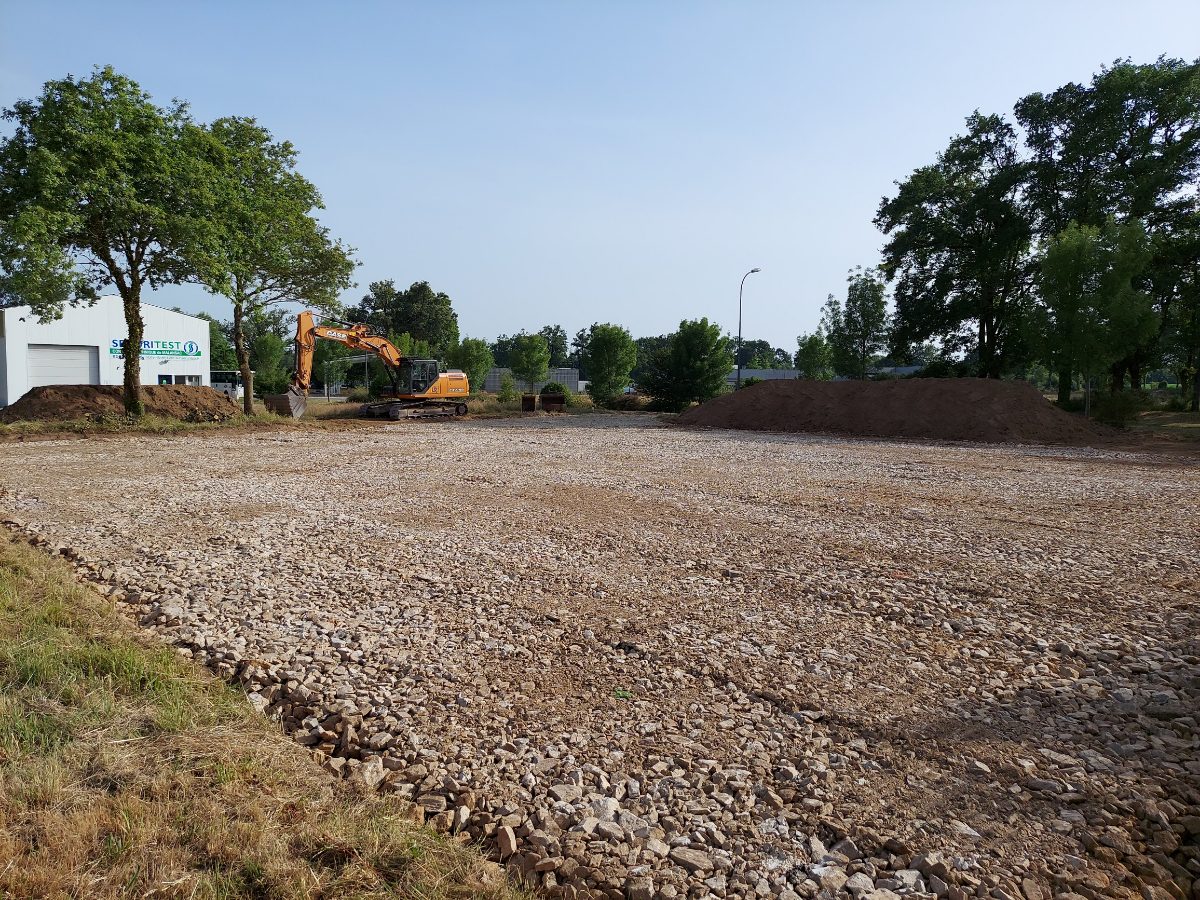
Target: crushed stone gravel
x=638, y=661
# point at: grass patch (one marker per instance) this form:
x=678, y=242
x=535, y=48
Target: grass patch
x=126, y=771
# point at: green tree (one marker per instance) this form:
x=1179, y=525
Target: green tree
x=1126, y=145
x=100, y=188
x=760, y=354
x=693, y=365
x=502, y=349
x=273, y=249
x=647, y=348
x=220, y=350
x=556, y=340
x=530, y=358
x=474, y=357
x=267, y=356
x=864, y=320
x=420, y=311
x=814, y=358
x=958, y=248
x=609, y=354
x=1093, y=313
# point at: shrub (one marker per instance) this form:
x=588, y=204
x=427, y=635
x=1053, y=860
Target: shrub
x=628, y=402
x=508, y=388
x=358, y=395
x=1176, y=404
x=553, y=387
x=1117, y=410
x=753, y=379
x=579, y=401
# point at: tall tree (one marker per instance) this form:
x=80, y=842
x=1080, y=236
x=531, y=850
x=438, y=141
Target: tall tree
x=609, y=355
x=426, y=314
x=958, y=247
x=556, y=340
x=694, y=365
x=864, y=319
x=530, y=358
x=100, y=188
x=474, y=357
x=273, y=249
x=1094, y=313
x=1125, y=145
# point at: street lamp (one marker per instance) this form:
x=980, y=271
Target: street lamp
x=739, y=346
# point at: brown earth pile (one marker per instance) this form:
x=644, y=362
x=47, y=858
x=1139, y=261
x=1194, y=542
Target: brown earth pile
x=79, y=401
x=946, y=409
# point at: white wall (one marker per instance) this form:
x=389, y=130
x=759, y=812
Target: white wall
x=174, y=343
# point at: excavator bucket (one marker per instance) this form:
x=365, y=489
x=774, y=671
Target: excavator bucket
x=292, y=404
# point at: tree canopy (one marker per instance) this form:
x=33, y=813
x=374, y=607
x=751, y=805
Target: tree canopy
x=530, y=358
x=474, y=357
x=420, y=311
x=958, y=246
x=102, y=188
x=692, y=366
x=273, y=250
x=609, y=354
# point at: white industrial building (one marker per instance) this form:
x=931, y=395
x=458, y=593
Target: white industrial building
x=84, y=347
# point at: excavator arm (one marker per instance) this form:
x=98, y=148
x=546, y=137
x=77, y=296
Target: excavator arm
x=357, y=337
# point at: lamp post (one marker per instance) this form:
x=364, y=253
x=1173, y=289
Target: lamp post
x=739, y=346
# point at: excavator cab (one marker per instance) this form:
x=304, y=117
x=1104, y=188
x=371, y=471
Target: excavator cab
x=416, y=376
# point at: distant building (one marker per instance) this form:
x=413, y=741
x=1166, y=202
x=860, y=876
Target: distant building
x=762, y=374
x=568, y=378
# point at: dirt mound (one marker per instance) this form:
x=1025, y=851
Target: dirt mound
x=79, y=401
x=945, y=409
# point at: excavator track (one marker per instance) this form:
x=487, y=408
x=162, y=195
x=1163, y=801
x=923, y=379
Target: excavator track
x=400, y=409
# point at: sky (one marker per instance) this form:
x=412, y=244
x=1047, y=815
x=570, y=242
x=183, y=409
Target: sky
x=613, y=161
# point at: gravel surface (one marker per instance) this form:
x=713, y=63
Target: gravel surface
x=641, y=661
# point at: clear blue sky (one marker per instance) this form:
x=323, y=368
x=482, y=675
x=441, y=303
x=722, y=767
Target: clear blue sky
x=571, y=162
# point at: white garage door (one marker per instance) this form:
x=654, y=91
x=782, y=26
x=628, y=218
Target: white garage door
x=63, y=364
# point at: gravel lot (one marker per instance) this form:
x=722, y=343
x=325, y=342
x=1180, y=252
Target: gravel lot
x=643, y=661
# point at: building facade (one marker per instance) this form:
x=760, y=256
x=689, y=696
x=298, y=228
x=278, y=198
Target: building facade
x=84, y=347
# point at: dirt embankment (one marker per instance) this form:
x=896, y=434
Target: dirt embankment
x=78, y=401
x=947, y=409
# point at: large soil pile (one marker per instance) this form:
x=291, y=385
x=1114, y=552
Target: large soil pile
x=947, y=409
x=78, y=401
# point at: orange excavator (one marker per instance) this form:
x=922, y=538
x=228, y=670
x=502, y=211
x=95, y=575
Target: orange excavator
x=419, y=388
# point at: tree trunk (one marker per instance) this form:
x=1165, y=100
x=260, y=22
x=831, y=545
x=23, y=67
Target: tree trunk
x=131, y=353
x=1135, y=374
x=1117, y=383
x=243, y=358
x=1064, y=387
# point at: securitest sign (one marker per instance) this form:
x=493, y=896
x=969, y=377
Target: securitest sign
x=188, y=349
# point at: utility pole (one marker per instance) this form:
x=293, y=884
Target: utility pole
x=739, y=343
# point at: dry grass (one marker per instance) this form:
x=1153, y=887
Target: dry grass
x=126, y=771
